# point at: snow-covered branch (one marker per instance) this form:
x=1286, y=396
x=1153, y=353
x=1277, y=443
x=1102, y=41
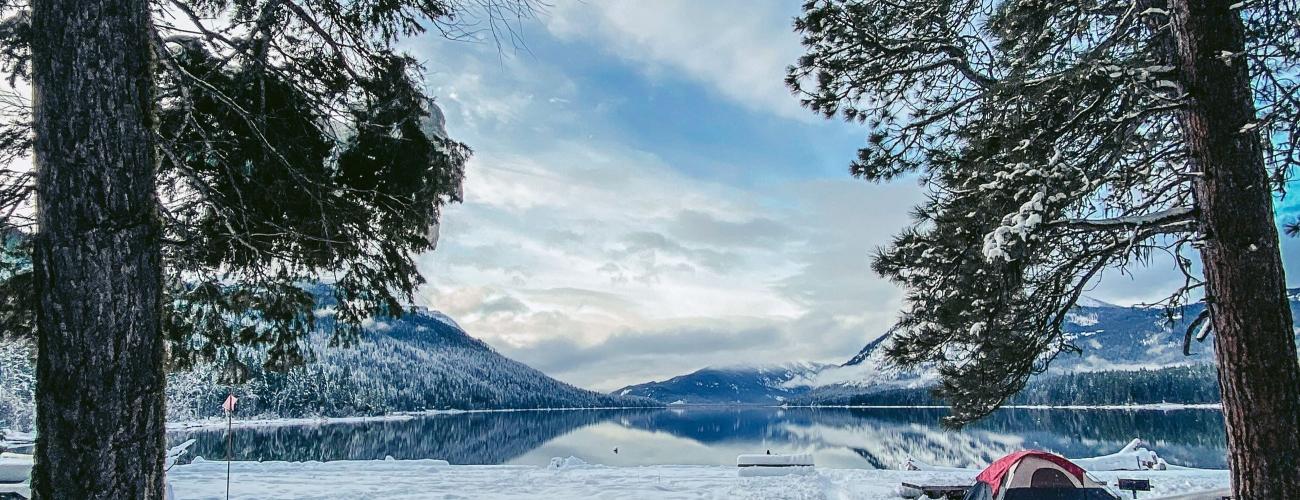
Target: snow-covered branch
x=1173, y=216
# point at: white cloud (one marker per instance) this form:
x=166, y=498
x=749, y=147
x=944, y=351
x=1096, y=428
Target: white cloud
x=604, y=265
x=577, y=272
x=740, y=48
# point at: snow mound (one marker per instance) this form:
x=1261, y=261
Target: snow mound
x=412, y=479
x=805, y=459
x=775, y=471
x=175, y=453
x=1134, y=456
x=10, y=438
x=567, y=463
x=14, y=467
x=797, y=464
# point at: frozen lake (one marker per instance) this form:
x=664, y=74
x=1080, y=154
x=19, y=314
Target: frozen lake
x=840, y=438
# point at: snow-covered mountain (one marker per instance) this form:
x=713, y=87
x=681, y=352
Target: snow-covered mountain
x=420, y=361
x=1112, y=338
x=732, y=385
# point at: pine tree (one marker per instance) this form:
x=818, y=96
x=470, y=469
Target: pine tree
x=195, y=163
x=1058, y=141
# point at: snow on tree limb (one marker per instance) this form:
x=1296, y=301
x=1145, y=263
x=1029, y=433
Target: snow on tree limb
x=1173, y=216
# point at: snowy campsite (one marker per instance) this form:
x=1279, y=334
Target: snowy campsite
x=649, y=249
x=754, y=476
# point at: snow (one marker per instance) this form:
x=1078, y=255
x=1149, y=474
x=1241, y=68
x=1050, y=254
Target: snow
x=1134, y=407
x=775, y=471
x=762, y=459
x=445, y=319
x=1081, y=319
x=14, y=467
x=280, y=422
x=1021, y=224
x=10, y=438
x=566, y=463
x=1086, y=301
x=220, y=423
x=412, y=479
x=1134, y=456
x=376, y=325
x=176, y=452
x=1140, y=407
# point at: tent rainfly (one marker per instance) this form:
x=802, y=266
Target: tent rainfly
x=1036, y=475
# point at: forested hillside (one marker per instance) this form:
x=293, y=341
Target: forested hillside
x=1183, y=384
x=421, y=361
x=762, y=385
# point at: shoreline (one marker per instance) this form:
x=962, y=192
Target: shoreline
x=1134, y=407
x=219, y=423
x=573, y=478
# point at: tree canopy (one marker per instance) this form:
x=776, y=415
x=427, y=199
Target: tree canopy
x=1047, y=136
x=297, y=146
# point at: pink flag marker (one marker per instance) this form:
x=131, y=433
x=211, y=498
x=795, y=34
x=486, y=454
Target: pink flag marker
x=229, y=405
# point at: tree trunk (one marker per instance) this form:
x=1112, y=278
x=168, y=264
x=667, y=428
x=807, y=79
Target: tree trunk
x=1254, y=341
x=97, y=259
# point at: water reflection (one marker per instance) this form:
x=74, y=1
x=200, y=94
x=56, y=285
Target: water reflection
x=864, y=438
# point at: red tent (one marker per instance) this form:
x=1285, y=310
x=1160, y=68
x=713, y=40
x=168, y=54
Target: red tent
x=998, y=470
x=1036, y=474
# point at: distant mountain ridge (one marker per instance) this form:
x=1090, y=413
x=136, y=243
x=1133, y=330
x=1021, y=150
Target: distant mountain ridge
x=1113, y=338
x=764, y=385
x=422, y=360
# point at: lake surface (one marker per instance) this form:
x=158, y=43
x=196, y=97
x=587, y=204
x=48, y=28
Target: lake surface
x=839, y=437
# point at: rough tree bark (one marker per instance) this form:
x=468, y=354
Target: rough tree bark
x=1254, y=343
x=97, y=262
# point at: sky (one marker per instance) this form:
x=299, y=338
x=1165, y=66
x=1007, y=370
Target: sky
x=646, y=198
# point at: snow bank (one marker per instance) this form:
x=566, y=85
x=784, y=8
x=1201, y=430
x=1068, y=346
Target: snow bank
x=778, y=460
x=775, y=471
x=1134, y=456
x=415, y=479
x=220, y=423
x=10, y=438
x=14, y=467
x=774, y=465
x=566, y=463
x=20, y=488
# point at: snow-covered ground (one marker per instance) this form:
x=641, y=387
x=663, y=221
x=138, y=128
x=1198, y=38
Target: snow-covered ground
x=1132, y=407
x=280, y=422
x=220, y=423
x=412, y=479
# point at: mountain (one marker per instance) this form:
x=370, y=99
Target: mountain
x=461, y=439
x=766, y=385
x=420, y=361
x=1116, y=340
x=1112, y=338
